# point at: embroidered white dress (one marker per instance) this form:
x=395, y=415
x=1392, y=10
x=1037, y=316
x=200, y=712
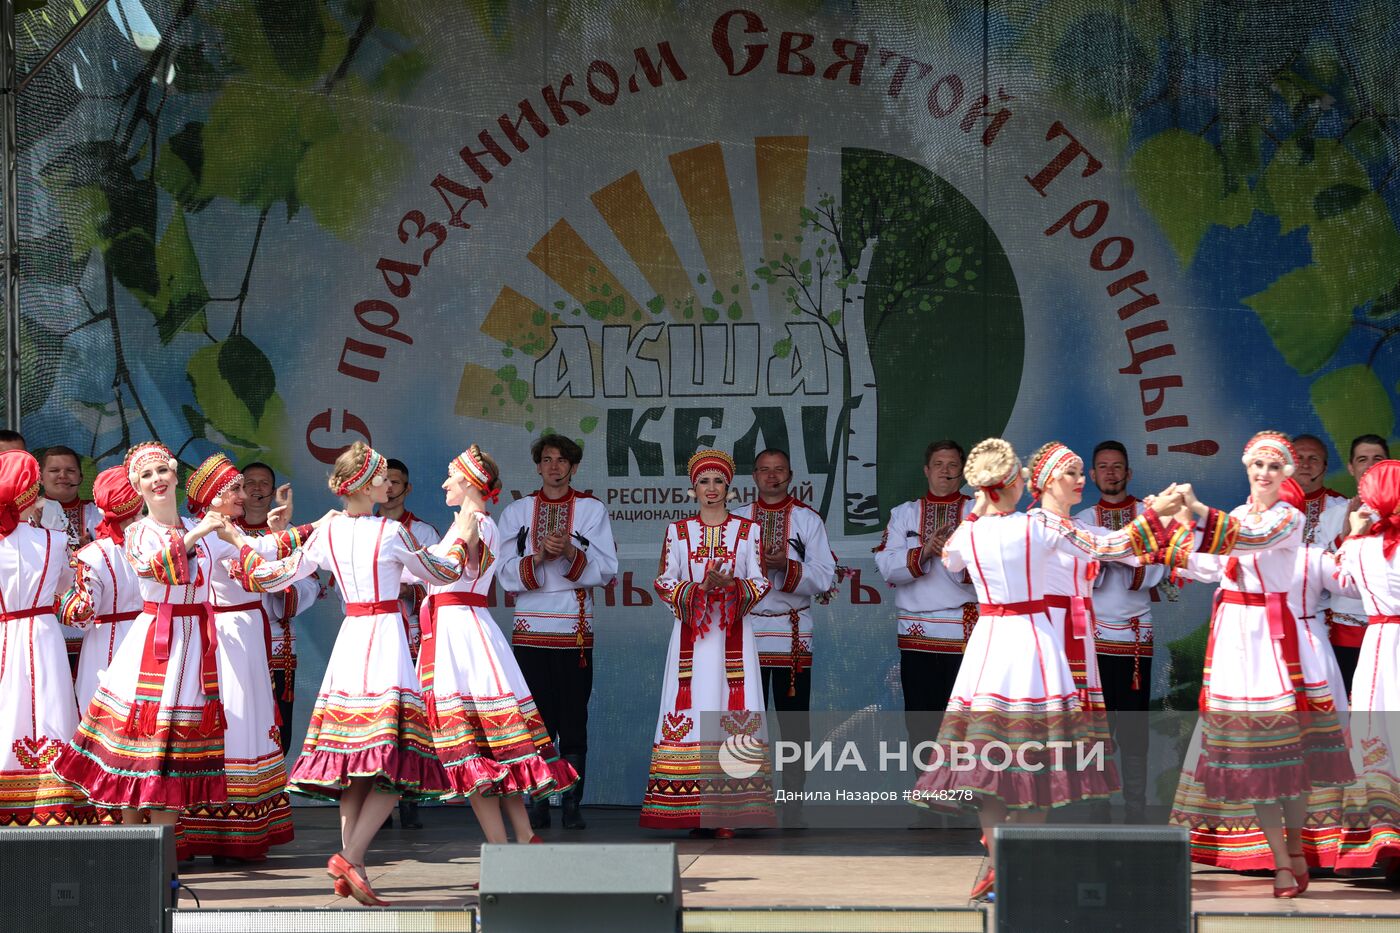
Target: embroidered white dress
x=1371, y=817
x=103, y=603
x=712, y=691
x=37, y=709
x=153, y=735
x=484, y=723
x=369, y=720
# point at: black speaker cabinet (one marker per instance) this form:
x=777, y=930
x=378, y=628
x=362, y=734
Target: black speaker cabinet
x=1135, y=879
x=81, y=878
x=580, y=888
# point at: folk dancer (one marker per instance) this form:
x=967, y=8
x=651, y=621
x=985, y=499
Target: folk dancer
x=710, y=578
x=1370, y=558
x=152, y=739
x=369, y=741
x=486, y=728
x=936, y=608
x=37, y=709
x=557, y=545
x=799, y=564
x=105, y=598
x=1123, y=596
x=1016, y=683
x=75, y=517
x=1271, y=732
x=1325, y=523
x=257, y=814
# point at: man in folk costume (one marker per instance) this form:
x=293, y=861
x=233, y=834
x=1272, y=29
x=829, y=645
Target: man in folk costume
x=268, y=508
x=935, y=607
x=37, y=709
x=65, y=511
x=106, y=594
x=1123, y=625
x=557, y=545
x=411, y=592
x=1346, y=616
x=799, y=564
x=709, y=760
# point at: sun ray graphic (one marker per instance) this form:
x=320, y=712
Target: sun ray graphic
x=522, y=326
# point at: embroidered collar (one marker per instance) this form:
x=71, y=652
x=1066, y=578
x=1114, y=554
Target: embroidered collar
x=788, y=502
x=569, y=494
x=944, y=500
x=1113, y=506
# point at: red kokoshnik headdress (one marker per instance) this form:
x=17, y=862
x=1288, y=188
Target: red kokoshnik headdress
x=470, y=467
x=114, y=495
x=1051, y=464
x=143, y=455
x=703, y=460
x=205, y=488
x=373, y=472
x=19, y=487
x=1380, y=490
x=1271, y=445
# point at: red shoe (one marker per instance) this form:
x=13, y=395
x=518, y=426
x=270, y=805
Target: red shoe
x=984, y=885
x=535, y=840
x=1304, y=879
x=360, y=889
x=1292, y=890
x=724, y=833
x=338, y=866
x=342, y=887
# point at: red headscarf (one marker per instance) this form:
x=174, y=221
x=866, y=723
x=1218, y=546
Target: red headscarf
x=1380, y=490
x=1289, y=491
x=19, y=487
x=118, y=501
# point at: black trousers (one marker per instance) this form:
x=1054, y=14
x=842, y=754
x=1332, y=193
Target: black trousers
x=927, y=678
x=1116, y=672
x=794, y=725
x=280, y=689
x=561, y=689
x=1347, y=659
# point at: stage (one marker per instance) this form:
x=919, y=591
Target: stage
x=923, y=868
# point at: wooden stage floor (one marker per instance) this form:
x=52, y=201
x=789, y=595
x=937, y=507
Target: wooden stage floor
x=432, y=867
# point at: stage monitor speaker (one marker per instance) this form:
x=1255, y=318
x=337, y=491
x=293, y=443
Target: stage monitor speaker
x=1134, y=879
x=835, y=920
x=318, y=920
x=1296, y=923
x=580, y=888
x=73, y=879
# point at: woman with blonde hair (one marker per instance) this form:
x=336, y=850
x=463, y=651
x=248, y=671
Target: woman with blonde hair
x=484, y=723
x=369, y=741
x=1016, y=690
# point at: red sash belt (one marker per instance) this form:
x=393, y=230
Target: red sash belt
x=727, y=601
x=427, y=650
x=794, y=651
x=155, y=657
x=28, y=613
x=1079, y=614
x=1283, y=628
x=1383, y=620
x=114, y=617
x=256, y=605
x=1029, y=608
x=383, y=607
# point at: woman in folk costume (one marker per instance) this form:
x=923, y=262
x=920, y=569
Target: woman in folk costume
x=153, y=736
x=712, y=693
x=1271, y=733
x=1370, y=557
x=105, y=598
x=1227, y=834
x=258, y=813
x=368, y=742
x=37, y=711
x=485, y=726
x=1015, y=685
x=1056, y=478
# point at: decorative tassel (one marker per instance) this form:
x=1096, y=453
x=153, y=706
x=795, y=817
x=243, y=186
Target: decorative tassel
x=434, y=722
x=211, y=719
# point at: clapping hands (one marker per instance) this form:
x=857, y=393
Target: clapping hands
x=717, y=576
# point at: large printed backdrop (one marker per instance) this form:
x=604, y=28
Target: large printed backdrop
x=273, y=227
